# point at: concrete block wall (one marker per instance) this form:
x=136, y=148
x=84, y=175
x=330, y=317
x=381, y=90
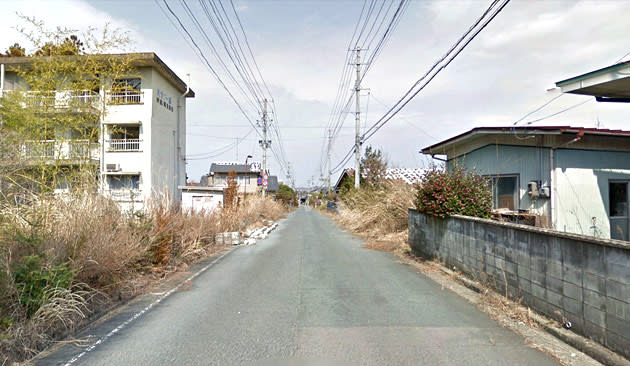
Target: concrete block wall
x=585, y=280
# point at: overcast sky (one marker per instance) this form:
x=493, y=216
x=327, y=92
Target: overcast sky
x=300, y=46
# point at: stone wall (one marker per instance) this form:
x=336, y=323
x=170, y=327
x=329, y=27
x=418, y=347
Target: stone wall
x=583, y=279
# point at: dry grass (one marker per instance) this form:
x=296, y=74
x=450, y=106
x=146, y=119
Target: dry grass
x=113, y=255
x=379, y=215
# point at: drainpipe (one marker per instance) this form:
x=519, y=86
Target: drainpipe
x=1, y=79
x=179, y=147
x=552, y=185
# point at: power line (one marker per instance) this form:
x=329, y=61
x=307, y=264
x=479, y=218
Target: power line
x=209, y=66
x=435, y=70
x=554, y=99
x=339, y=111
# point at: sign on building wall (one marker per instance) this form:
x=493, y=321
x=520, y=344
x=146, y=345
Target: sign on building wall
x=164, y=100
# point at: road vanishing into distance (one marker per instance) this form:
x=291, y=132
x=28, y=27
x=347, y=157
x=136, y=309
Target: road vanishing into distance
x=309, y=294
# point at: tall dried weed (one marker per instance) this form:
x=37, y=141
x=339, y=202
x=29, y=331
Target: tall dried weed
x=110, y=255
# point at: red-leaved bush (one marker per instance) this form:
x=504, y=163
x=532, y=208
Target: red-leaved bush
x=455, y=192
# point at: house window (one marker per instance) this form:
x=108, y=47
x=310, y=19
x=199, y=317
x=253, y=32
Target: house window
x=619, y=219
x=123, y=182
x=504, y=192
x=618, y=199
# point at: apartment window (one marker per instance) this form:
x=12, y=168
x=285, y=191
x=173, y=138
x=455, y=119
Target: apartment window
x=124, y=138
x=504, y=191
x=120, y=182
x=131, y=84
x=126, y=91
x=124, y=132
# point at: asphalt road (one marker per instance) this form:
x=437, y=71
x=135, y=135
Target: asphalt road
x=309, y=295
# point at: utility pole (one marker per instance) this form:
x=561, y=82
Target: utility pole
x=264, y=143
x=329, y=154
x=357, y=121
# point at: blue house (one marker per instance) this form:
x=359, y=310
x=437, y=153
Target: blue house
x=576, y=179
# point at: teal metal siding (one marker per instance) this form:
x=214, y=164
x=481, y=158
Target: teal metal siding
x=530, y=163
x=581, y=179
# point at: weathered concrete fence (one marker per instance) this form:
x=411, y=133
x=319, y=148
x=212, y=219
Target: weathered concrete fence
x=583, y=279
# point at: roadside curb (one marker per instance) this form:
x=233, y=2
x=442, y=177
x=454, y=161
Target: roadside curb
x=583, y=344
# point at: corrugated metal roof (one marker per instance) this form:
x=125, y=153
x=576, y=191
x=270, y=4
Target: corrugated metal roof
x=408, y=175
x=226, y=168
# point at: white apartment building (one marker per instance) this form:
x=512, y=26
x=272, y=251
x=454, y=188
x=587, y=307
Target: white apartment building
x=142, y=147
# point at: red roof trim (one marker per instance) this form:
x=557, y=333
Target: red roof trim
x=561, y=129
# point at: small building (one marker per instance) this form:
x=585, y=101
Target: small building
x=246, y=176
x=201, y=199
x=345, y=181
x=576, y=178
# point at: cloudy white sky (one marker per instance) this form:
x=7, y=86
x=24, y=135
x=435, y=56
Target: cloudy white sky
x=300, y=47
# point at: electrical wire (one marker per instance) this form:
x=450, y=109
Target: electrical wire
x=435, y=70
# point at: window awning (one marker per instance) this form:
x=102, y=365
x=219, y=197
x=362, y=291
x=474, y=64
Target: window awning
x=609, y=84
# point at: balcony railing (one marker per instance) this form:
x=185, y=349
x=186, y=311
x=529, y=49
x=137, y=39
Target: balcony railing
x=61, y=150
x=62, y=99
x=125, y=97
x=40, y=149
x=124, y=145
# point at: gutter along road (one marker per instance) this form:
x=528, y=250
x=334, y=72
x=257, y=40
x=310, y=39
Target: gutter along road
x=309, y=294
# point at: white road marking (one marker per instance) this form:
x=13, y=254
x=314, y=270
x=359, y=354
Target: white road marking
x=141, y=312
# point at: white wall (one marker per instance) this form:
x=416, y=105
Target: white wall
x=582, y=181
x=202, y=200
x=132, y=114
x=164, y=156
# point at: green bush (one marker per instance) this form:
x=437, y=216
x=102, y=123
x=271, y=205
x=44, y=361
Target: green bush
x=32, y=278
x=456, y=192
x=286, y=195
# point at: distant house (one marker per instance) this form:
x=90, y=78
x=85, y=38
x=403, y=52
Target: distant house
x=345, y=180
x=246, y=176
x=578, y=178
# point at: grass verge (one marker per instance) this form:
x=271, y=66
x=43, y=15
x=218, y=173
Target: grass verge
x=64, y=260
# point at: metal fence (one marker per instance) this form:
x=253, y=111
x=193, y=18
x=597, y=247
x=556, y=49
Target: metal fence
x=124, y=145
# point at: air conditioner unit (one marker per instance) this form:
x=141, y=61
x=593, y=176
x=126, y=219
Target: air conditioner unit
x=113, y=167
x=532, y=189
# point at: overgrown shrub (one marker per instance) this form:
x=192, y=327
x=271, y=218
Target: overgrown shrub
x=379, y=211
x=455, y=192
x=61, y=258
x=286, y=195
x=33, y=278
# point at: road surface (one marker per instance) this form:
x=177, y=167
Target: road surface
x=308, y=295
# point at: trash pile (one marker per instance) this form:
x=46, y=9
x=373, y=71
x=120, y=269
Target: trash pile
x=258, y=234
